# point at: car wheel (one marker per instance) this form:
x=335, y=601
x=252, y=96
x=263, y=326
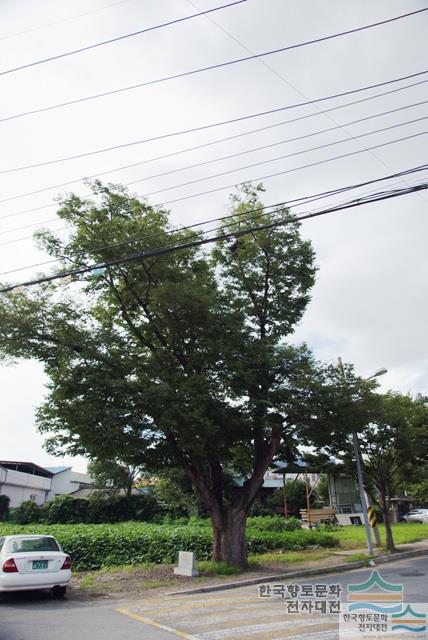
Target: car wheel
x=59, y=592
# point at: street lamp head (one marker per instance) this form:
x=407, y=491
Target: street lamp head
x=379, y=372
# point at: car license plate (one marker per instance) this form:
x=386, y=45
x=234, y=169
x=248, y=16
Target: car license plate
x=40, y=564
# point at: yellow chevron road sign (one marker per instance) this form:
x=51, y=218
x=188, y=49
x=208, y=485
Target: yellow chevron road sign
x=372, y=516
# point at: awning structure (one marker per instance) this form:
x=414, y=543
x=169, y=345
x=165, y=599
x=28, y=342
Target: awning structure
x=298, y=467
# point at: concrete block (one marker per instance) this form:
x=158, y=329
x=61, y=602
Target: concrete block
x=187, y=565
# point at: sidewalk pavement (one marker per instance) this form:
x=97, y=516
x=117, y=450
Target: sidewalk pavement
x=408, y=550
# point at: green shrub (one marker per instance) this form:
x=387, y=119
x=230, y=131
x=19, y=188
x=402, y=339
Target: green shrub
x=328, y=528
x=65, y=510
x=273, y=523
x=122, y=508
x=98, y=545
x=27, y=513
x=4, y=507
x=145, y=507
x=110, y=509
x=98, y=509
x=259, y=542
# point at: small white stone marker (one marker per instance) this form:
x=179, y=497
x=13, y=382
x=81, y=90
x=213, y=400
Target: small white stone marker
x=187, y=565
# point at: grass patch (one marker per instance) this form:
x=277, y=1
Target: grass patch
x=357, y=557
x=353, y=537
x=125, y=568
x=288, y=557
x=88, y=582
x=218, y=568
x=154, y=584
x=348, y=545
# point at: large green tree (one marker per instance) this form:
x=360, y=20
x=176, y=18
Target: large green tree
x=176, y=359
x=113, y=476
x=393, y=441
x=394, y=446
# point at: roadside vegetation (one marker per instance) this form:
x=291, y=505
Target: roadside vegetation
x=99, y=545
x=106, y=546
x=354, y=537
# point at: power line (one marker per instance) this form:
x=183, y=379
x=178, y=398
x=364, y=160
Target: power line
x=193, y=72
x=160, y=233
x=20, y=213
x=29, y=226
x=299, y=168
x=282, y=157
x=160, y=251
x=254, y=164
x=119, y=38
x=212, y=125
x=200, y=164
x=283, y=79
x=265, y=177
x=302, y=200
x=53, y=24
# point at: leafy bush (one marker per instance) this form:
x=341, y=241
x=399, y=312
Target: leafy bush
x=27, y=512
x=145, y=507
x=121, y=508
x=94, y=546
x=273, y=523
x=68, y=510
x=259, y=542
x=419, y=490
x=65, y=509
x=328, y=528
x=4, y=507
x=175, y=493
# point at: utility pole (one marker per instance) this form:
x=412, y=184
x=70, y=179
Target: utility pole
x=380, y=372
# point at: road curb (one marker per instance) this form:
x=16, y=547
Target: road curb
x=338, y=568
x=401, y=555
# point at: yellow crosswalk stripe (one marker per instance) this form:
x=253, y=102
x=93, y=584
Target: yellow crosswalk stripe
x=153, y=623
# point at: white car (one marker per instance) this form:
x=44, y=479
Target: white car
x=417, y=515
x=33, y=562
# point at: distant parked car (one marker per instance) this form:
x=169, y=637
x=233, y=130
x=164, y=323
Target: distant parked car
x=416, y=515
x=33, y=562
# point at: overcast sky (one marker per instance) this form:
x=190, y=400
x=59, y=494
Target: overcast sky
x=369, y=303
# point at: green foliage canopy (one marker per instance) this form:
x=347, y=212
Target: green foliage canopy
x=180, y=359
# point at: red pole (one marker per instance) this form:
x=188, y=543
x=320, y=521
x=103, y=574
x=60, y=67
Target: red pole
x=308, y=502
x=285, y=496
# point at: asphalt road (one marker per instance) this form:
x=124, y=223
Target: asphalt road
x=35, y=616
x=232, y=614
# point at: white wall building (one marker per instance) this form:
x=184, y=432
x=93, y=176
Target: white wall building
x=66, y=481
x=24, y=481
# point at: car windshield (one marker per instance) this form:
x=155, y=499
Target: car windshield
x=21, y=545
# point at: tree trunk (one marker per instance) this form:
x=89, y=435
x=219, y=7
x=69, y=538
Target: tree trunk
x=229, y=542
x=228, y=521
x=389, y=540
